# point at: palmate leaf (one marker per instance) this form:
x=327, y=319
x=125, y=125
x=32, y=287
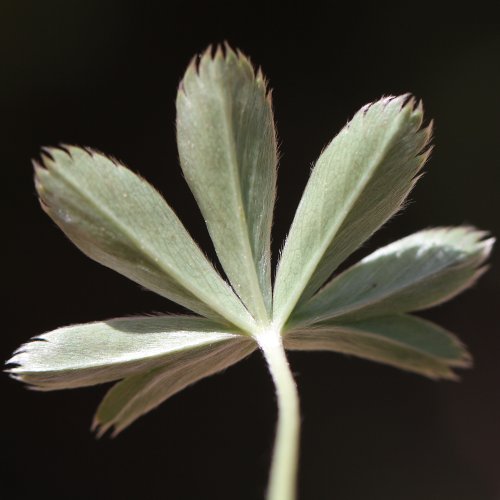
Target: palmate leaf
x=402, y=341
x=227, y=148
x=94, y=353
x=122, y=222
x=359, y=181
x=414, y=273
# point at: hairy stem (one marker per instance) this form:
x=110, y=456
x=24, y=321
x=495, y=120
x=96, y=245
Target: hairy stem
x=282, y=482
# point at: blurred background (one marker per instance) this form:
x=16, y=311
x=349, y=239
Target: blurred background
x=105, y=74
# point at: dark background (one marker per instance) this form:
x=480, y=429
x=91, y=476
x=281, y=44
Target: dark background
x=105, y=74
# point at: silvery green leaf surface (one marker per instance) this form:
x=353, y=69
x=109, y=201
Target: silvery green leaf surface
x=122, y=222
x=359, y=181
x=414, y=273
x=402, y=341
x=228, y=154
x=138, y=394
x=94, y=353
x=227, y=148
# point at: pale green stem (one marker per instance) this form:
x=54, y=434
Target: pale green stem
x=282, y=481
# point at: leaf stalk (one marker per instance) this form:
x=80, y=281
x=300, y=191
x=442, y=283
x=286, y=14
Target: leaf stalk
x=282, y=480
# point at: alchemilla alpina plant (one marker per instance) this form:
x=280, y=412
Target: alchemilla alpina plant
x=227, y=147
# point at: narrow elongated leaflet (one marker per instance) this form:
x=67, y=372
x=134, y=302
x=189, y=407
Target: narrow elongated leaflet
x=227, y=148
x=416, y=272
x=358, y=182
x=134, y=396
x=402, y=341
x=122, y=222
x=94, y=353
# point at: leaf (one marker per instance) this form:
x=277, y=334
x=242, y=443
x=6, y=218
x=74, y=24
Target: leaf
x=94, y=353
x=122, y=222
x=131, y=398
x=401, y=341
x=416, y=272
x=357, y=184
x=227, y=148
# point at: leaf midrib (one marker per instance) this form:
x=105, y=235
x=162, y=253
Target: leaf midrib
x=379, y=298
x=145, y=249
x=159, y=379
x=363, y=333
x=329, y=238
x=256, y=292
x=127, y=359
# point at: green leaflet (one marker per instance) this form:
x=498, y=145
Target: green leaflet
x=401, y=341
x=359, y=181
x=122, y=222
x=136, y=395
x=416, y=272
x=94, y=353
x=227, y=148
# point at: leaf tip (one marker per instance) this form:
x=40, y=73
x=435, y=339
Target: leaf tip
x=98, y=428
